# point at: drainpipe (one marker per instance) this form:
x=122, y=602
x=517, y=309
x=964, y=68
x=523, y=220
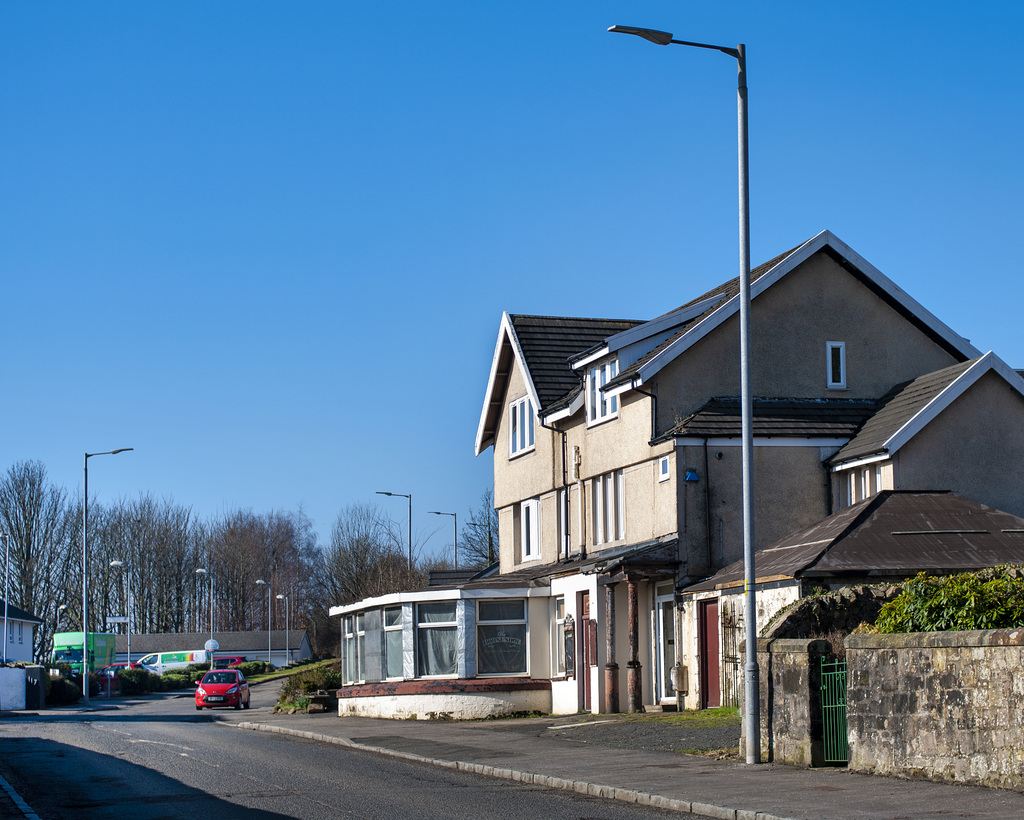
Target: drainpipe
x=707, y=506
x=565, y=486
x=654, y=410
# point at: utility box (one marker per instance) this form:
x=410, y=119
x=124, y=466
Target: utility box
x=35, y=687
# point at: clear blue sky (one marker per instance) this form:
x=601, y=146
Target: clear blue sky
x=268, y=244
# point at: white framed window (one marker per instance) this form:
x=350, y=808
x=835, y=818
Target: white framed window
x=663, y=468
x=529, y=522
x=501, y=637
x=355, y=647
x=393, y=667
x=558, y=638
x=609, y=508
x=437, y=634
x=520, y=428
x=563, y=520
x=835, y=364
x=600, y=407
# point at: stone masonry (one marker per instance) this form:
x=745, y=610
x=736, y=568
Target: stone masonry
x=938, y=705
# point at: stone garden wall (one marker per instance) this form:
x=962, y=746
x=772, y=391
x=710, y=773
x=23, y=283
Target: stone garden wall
x=938, y=705
x=790, y=678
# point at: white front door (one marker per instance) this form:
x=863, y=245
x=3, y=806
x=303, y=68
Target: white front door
x=664, y=643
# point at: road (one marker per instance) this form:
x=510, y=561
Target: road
x=161, y=759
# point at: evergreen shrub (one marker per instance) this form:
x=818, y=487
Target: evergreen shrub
x=987, y=599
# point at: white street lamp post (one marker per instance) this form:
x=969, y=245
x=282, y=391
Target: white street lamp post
x=752, y=710
x=455, y=523
x=409, y=496
x=287, y=629
x=203, y=571
x=128, y=625
x=269, y=604
x=7, y=574
x=85, y=569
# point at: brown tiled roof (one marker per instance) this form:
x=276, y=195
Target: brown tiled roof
x=895, y=533
x=831, y=418
x=548, y=342
x=896, y=408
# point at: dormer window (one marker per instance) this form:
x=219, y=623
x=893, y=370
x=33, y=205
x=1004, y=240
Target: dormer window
x=600, y=407
x=520, y=429
x=835, y=364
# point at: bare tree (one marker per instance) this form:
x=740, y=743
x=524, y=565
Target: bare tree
x=43, y=528
x=478, y=541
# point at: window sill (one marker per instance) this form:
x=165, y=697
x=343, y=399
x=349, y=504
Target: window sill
x=599, y=422
x=521, y=453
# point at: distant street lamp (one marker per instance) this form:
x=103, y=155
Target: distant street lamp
x=60, y=609
x=85, y=569
x=287, y=629
x=7, y=574
x=455, y=522
x=490, y=537
x=128, y=625
x=203, y=571
x=269, y=604
x=752, y=719
x=402, y=495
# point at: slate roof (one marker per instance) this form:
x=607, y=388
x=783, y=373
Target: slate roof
x=895, y=533
x=784, y=418
x=897, y=408
x=15, y=613
x=250, y=644
x=548, y=342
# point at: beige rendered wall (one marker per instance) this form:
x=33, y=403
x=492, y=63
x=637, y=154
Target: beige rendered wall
x=818, y=302
x=975, y=448
x=790, y=492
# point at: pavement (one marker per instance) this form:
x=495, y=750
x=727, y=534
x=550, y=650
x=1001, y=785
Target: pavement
x=608, y=756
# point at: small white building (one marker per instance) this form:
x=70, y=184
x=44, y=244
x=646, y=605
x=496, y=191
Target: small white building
x=19, y=634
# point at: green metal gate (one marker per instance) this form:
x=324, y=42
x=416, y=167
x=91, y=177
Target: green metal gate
x=833, y=711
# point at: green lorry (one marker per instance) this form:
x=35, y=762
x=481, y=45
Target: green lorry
x=67, y=648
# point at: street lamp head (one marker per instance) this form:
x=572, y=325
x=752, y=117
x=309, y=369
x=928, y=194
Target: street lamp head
x=281, y=597
x=62, y=607
x=201, y=571
x=121, y=450
x=381, y=492
x=660, y=38
x=261, y=581
x=117, y=563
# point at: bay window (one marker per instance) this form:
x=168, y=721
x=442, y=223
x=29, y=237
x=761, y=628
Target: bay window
x=599, y=407
x=436, y=639
x=501, y=637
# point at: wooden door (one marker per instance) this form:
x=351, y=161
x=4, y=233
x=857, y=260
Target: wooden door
x=710, y=661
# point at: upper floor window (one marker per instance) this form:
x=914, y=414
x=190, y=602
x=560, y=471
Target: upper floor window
x=663, y=468
x=835, y=363
x=599, y=406
x=609, y=508
x=529, y=520
x=520, y=431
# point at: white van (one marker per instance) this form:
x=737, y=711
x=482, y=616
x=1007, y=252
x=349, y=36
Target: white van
x=160, y=662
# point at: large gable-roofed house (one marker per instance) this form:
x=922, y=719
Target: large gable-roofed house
x=617, y=479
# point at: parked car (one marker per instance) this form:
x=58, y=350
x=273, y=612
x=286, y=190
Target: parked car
x=111, y=669
x=222, y=687
x=229, y=661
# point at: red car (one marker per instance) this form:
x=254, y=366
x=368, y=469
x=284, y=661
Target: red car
x=222, y=687
x=112, y=669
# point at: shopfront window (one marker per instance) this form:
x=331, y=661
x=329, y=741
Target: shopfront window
x=501, y=637
x=436, y=639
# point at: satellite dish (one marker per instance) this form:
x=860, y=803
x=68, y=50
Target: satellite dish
x=212, y=645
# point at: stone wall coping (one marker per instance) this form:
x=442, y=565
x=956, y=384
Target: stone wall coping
x=792, y=646
x=913, y=640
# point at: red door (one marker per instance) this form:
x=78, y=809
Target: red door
x=585, y=650
x=710, y=662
